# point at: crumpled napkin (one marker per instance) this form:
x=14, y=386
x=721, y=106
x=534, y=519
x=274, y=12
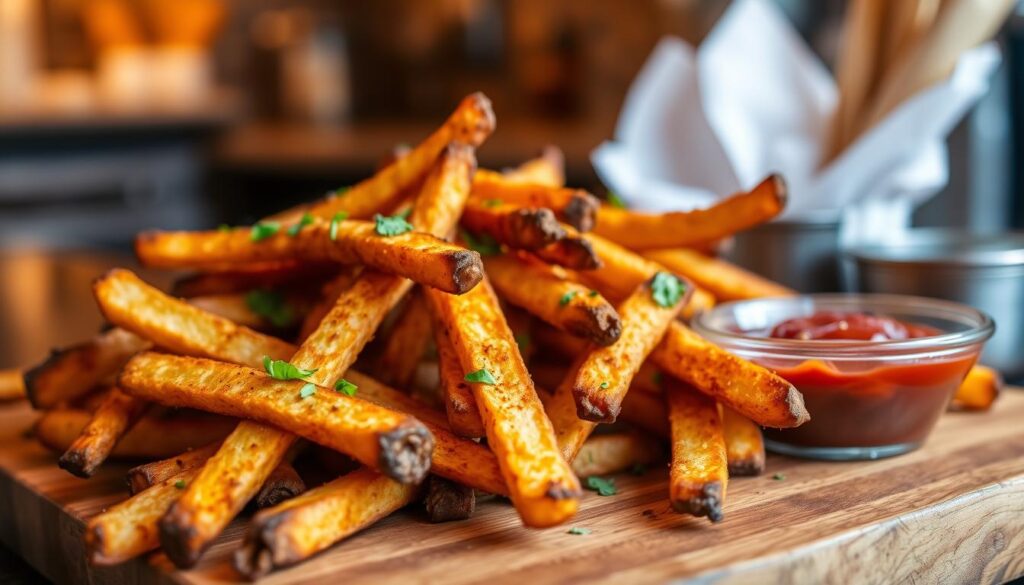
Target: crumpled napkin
x=701, y=124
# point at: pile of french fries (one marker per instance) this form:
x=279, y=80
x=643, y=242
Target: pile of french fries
x=479, y=285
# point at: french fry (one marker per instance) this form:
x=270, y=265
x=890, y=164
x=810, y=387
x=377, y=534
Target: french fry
x=470, y=124
x=698, y=474
x=394, y=443
x=643, y=231
x=303, y=526
x=979, y=390
x=520, y=228
x=72, y=372
x=114, y=417
x=548, y=169
x=540, y=483
x=749, y=389
x=242, y=279
x=328, y=296
x=406, y=343
x=615, y=452
x=560, y=406
x=128, y=529
x=151, y=438
x=727, y=282
x=447, y=501
x=420, y=257
x=576, y=207
x=283, y=484
x=12, y=385
x=606, y=373
x=146, y=475
x=463, y=415
x=548, y=295
x=572, y=251
x=744, y=443
x=700, y=300
x=232, y=307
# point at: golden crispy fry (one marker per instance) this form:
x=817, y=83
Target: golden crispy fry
x=129, y=529
x=328, y=296
x=396, y=444
x=520, y=228
x=470, y=124
x=647, y=231
x=463, y=415
x=744, y=443
x=303, y=526
x=283, y=484
x=114, y=417
x=572, y=251
x=548, y=169
x=605, y=374
x=406, y=343
x=126, y=300
x=447, y=501
x=242, y=279
x=232, y=307
x=420, y=257
x=727, y=282
x=151, y=438
x=979, y=389
x=71, y=372
x=12, y=385
x=699, y=474
x=548, y=295
x=612, y=453
x=573, y=206
x=570, y=430
x=540, y=483
x=143, y=476
x=750, y=390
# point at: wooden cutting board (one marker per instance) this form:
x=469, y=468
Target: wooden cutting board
x=952, y=511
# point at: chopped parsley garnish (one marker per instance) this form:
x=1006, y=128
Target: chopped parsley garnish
x=592, y=293
x=405, y=214
x=282, y=370
x=493, y=202
x=578, y=530
x=603, y=487
x=271, y=306
x=345, y=387
x=391, y=226
x=338, y=218
x=615, y=201
x=307, y=218
x=180, y=484
x=481, y=376
x=308, y=389
x=264, y=230
x=778, y=477
x=667, y=289
x=337, y=192
x=483, y=244
x=566, y=298
x=604, y=385
x=223, y=228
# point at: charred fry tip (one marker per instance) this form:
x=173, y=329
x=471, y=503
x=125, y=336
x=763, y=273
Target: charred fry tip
x=253, y=559
x=586, y=409
x=780, y=188
x=32, y=376
x=707, y=503
x=746, y=468
x=279, y=493
x=539, y=227
x=600, y=324
x=795, y=406
x=581, y=210
x=77, y=463
x=557, y=490
x=176, y=534
x=485, y=119
x=405, y=452
x=467, y=272
x=447, y=501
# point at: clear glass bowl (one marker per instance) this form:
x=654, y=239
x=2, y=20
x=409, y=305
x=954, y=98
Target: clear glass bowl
x=867, y=399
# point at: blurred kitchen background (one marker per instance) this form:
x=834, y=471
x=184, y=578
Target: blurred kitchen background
x=121, y=115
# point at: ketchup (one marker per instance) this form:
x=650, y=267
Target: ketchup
x=860, y=404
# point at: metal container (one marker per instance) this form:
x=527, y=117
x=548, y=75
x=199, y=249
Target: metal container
x=801, y=254
x=984, y=271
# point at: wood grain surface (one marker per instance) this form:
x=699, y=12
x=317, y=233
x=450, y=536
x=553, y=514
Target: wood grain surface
x=951, y=512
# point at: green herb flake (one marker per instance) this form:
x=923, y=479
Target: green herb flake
x=272, y=306
x=483, y=244
x=391, y=226
x=523, y=341
x=405, y=214
x=481, y=376
x=603, y=487
x=604, y=385
x=345, y=387
x=282, y=370
x=337, y=192
x=566, y=298
x=778, y=477
x=592, y=293
x=264, y=230
x=578, y=531
x=615, y=201
x=224, y=228
x=338, y=218
x=308, y=389
x=667, y=289
x=180, y=484
x=493, y=203
x=307, y=218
